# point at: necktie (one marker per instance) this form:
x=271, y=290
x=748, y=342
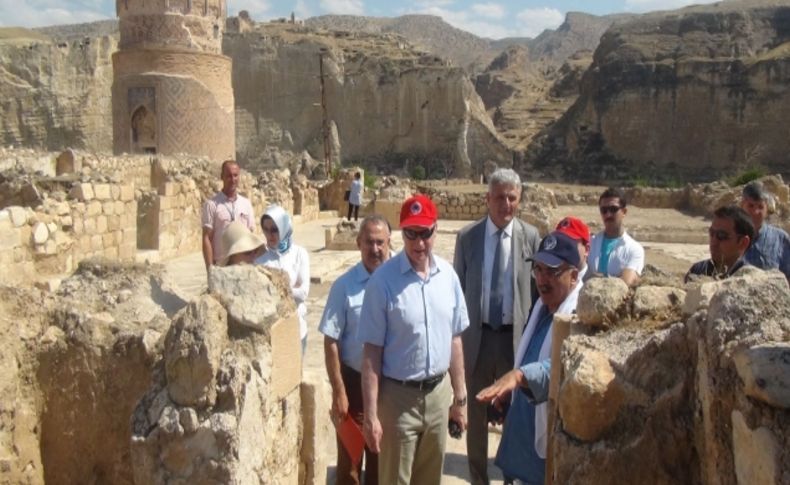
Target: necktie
x=495, y=295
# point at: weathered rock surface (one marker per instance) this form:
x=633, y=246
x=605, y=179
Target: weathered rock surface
x=657, y=301
x=235, y=417
x=664, y=81
x=602, y=302
x=765, y=373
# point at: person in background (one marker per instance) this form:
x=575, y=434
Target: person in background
x=612, y=251
x=282, y=253
x=577, y=230
x=412, y=318
x=491, y=261
x=355, y=196
x=342, y=350
x=729, y=236
x=770, y=248
x=522, y=451
x=219, y=211
x=243, y=246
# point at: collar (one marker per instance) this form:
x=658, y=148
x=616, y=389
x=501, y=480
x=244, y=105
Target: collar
x=405, y=265
x=361, y=274
x=491, y=228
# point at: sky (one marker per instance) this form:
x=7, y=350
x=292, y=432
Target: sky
x=486, y=18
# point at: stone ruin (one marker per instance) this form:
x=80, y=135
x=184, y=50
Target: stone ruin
x=665, y=385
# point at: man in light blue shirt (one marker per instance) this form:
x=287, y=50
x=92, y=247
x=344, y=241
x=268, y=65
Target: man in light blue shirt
x=414, y=313
x=770, y=248
x=522, y=450
x=342, y=350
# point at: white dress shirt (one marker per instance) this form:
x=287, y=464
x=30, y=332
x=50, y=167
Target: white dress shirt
x=489, y=251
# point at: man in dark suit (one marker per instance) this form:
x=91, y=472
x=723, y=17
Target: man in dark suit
x=491, y=261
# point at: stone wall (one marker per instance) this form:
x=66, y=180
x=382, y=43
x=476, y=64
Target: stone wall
x=96, y=219
x=662, y=384
x=178, y=206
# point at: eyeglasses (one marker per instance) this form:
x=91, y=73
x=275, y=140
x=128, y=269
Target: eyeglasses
x=609, y=209
x=412, y=235
x=548, y=272
x=719, y=234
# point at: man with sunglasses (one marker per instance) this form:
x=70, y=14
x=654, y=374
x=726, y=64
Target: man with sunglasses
x=491, y=261
x=770, y=248
x=612, y=251
x=413, y=313
x=729, y=236
x=522, y=451
x=222, y=209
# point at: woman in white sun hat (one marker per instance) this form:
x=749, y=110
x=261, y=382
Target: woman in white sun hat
x=243, y=246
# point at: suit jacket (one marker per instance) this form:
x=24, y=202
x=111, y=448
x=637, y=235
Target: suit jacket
x=468, y=263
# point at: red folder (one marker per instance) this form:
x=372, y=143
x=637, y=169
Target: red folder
x=352, y=439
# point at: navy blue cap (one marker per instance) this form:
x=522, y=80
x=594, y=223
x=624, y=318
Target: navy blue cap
x=557, y=248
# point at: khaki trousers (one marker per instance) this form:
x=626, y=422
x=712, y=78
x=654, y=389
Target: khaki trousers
x=414, y=426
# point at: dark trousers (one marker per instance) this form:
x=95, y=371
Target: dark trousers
x=494, y=360
x=353, y=208
x=346, y=473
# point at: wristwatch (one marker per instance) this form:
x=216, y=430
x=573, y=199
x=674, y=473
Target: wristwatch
x=459, y=402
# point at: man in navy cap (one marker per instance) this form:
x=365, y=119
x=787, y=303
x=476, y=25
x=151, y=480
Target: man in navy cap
x=522, y=451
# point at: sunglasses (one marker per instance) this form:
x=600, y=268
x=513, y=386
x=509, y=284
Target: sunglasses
x=609, y=209
x=412, y=235
x=719, y=234
x=549, y=272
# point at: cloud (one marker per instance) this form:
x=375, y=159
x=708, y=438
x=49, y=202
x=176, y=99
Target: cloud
x=533, y=21
x=343, y=7
x=466, y=20
x=489, y=10
x=40, y=13
x=301, y=10
x=651, y=5
x=258, y=9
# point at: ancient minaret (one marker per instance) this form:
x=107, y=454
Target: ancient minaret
x=172, y=88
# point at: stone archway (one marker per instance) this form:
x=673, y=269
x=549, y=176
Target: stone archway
x=143, y=131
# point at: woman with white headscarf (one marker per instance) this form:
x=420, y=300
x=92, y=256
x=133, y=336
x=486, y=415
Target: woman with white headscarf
x=283, y=254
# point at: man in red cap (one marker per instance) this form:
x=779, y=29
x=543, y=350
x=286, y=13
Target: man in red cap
x=412, y=318
x=577, y=230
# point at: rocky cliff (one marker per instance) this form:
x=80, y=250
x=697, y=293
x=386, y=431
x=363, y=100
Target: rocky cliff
x=54, y=92
x=392, y=106
x=690, y=94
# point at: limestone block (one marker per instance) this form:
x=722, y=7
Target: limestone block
x=93, y=209
x=602, y=302
x=9, y=235
x=168, y=189
x=66, y=222
x=101, y=224
x=110, y=253
x=699, y=296
x=96, y=242
x=108, y=208
x=590, y=395
x=40, y=233
x=18, y=215
x=90, y=226
x=119, y=208
x=318, y=435
x=249, y=294
x=657, y=301
x=102, y=191
x=113, y=223
x=127, y=193
x=765, y=372
x=165, y=203
x=50, y=247
x=82, y=192
x=193, y=347
x=115, y=192
x=52, y=227
x=756, y=453
x=62, y=209
x=108, y=240
x=127, y=251
x=286, y=356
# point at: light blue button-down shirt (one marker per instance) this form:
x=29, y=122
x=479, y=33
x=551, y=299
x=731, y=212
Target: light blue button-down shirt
x=770, y=250
x=414, y=320
x=341, y=314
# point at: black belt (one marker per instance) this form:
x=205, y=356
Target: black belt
x=424, y=385
x=502, y=328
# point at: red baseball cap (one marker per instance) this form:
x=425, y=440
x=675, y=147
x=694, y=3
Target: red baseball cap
x=418, y=210
x=575, y=229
